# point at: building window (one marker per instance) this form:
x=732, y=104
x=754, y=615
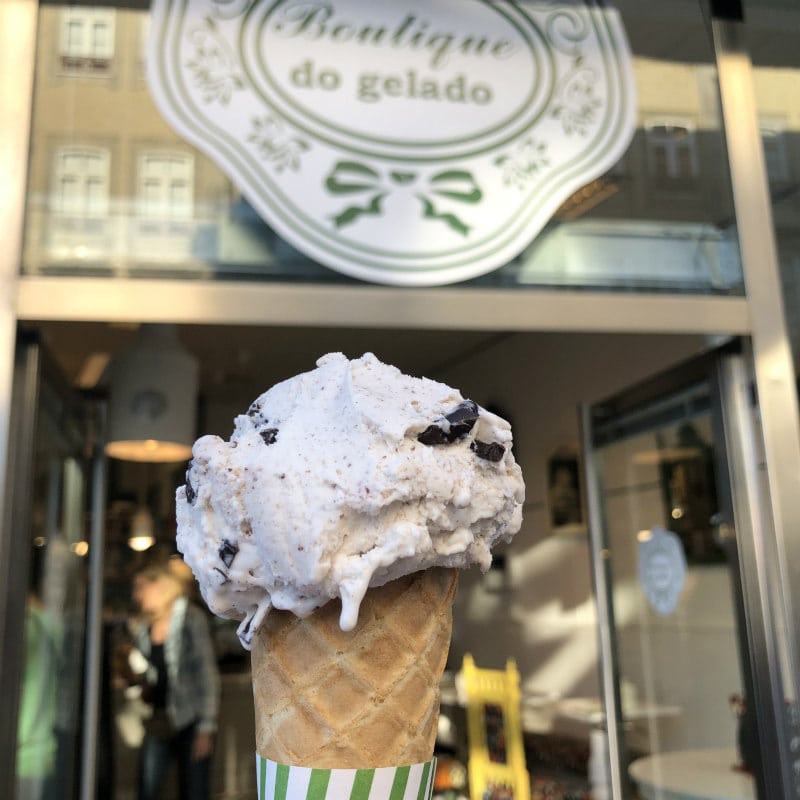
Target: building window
x=671, y=150
x=773, y=137
x=166, y=186
x=81, y=183
x=87, y=39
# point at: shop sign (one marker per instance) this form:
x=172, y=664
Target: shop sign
x=412, y=142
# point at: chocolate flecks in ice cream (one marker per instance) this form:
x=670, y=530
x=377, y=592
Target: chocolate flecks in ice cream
x=191, y=495
x=348, y=495
x=270, y=435
x=227, y=552
x=453, y=426
x=491, y=451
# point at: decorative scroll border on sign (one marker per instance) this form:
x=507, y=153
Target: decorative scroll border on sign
x=412, y=143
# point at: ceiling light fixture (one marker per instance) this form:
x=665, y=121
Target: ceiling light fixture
x=153, y=399
x=142, y=537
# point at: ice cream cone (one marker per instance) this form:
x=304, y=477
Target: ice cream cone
x=366, y=698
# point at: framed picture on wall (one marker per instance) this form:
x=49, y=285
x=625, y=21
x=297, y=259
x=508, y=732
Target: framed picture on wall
x=688, y=486
x=566, y=512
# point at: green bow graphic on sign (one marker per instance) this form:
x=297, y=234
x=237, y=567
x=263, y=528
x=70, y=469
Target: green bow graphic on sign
x=354, y=178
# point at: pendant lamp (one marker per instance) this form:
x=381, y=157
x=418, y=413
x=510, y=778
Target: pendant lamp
x=153, y=399
x=142, y=537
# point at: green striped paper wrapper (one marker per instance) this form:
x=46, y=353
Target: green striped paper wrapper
x=283, y=782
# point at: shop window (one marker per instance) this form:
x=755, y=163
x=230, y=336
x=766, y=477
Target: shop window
x=87, y=39
x=165, y=192
x=79, y=196
x=671, y=151
x=773, y=137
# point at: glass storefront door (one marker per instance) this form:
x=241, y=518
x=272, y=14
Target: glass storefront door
x=46, y=542
x=691, y=649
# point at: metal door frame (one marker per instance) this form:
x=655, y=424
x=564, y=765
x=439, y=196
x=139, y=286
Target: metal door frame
x=748, y=510
x=746, y=517
x=14, y=553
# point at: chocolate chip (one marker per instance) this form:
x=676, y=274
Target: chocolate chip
x=456, y=424
x=432, y=435
x=191, y=494
x=227, y=552
x=493, y=451
x=256, y=414
x=269, y=435
x=462, y=419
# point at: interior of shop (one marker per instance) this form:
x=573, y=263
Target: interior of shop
x=535, y=606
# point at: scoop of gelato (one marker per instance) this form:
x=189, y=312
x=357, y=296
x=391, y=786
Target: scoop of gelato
x=339, y=479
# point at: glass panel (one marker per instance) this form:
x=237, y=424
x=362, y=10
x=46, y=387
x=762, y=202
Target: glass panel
x=772, y=41
x=659, y=220
x=674, y=596
x=49, y=727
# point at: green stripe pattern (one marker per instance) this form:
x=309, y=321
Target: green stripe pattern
x=284, y=782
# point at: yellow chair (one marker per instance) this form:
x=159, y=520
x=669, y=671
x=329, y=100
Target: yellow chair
x=496, y=753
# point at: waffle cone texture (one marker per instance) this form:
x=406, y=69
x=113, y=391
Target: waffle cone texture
x=364, y=698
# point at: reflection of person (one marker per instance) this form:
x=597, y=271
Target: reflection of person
x=180, y=682
x=565, y=503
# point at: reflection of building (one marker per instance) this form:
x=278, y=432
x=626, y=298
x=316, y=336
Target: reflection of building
x=98, y=186
x=117, y=192
x=113, y=193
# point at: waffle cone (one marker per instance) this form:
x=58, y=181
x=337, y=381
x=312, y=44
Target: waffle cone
x=365, y=698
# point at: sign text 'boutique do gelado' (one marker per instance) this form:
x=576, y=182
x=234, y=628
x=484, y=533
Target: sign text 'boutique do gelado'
x=400, y=142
